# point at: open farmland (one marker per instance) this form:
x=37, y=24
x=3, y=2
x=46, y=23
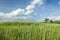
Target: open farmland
x=29, y=31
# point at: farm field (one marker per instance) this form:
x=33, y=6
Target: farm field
x=29, y=31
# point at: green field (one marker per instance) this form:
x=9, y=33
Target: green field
x=29, y=31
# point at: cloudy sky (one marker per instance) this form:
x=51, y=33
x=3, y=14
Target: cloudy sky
x=29, y=10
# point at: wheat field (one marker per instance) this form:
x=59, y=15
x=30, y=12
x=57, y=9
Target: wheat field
x=29, y=31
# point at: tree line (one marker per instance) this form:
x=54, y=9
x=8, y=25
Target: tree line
x=51, y=21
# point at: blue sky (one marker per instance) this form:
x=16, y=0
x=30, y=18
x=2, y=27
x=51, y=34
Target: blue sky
x=29, y=10
x=11, y=5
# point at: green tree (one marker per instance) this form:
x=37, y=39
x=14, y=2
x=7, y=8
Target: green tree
x=51, y=21
x=57, y=21
x=46, y=20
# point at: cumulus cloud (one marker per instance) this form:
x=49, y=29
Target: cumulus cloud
x=54, y=18
x=13, y=13
x=28, y=10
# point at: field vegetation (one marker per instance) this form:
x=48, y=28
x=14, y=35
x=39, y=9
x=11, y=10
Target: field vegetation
x=29, y=31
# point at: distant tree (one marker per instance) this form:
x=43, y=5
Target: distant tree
x=57, y=21
x=46, y=20
x=51, y=21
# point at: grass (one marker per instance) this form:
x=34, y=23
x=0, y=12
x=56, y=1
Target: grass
x=29, y=31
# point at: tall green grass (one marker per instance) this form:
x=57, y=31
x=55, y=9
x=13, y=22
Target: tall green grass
x=29, y=31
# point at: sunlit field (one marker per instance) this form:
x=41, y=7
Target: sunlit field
x=29, y=31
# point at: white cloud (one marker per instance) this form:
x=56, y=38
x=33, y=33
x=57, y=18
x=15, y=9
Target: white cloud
x=59, y=2
x=13, y=13
x=54, y=18
x=16, y=12
x=28, y=10
x=2, y=14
